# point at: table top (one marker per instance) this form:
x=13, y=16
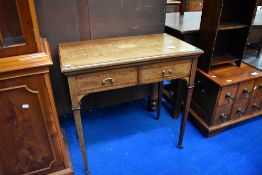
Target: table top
x=91, y=54
x=190, y=21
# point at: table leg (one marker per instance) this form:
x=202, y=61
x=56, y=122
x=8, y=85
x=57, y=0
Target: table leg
x=78, y=121
x=160, y=90
x=185, y=115
x=178, y=88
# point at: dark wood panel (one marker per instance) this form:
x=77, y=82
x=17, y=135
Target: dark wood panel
x=31, y=144
x=113, y=18
x=7, y=28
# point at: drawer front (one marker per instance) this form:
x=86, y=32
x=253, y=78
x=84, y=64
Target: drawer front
x=239, y=109
x=227, y=95
x=254, y=105
x=257, y=88
x=105, y=80
x=164, y=71
x=245, y=90
x=222, y=114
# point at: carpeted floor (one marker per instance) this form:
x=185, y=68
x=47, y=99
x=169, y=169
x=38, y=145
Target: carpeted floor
x=126, y=140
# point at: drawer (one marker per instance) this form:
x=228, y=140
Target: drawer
x=257, y=88
x=254, y=105
x=239, y=109
x=227, y=95
x=164, y=71
x=106, y=80
x=222, y=114
x=245, y=90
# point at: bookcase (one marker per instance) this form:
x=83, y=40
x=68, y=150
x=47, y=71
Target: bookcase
x=224, y=30
x=19, y=33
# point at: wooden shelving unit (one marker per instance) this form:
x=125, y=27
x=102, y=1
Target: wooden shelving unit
x=224, y=30
x=223, y=58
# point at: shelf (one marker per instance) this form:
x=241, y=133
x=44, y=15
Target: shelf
x=231, y=25
x=223, y=58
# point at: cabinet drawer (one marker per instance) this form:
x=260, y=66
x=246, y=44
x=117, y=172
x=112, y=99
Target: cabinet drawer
x=227, y=95
x=105, y=80
x=239, y=109
x=222, y=114
x=257, y=88
x=245, y=90
x=164, y=71
x=254, y=105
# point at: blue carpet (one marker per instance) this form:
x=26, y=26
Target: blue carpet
x=126, y=140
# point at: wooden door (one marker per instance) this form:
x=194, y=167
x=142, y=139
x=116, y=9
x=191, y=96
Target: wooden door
x=29, y=141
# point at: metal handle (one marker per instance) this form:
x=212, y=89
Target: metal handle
x=108, y=80
x=255, y=107
x=223, y=117
x=167, y=74
x=240, y=111
x=229, y=97
x=246, y=91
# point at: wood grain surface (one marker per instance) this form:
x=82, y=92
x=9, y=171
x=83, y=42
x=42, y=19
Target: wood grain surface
x=123, y=50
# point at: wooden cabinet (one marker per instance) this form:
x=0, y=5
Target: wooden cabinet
x=19, y=32
x=225, y=96
x=224, y=30
x=31, y=140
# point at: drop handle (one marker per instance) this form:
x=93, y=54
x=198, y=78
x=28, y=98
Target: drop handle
x=167, y=73
x=108, y=80
x=255, y=107
x=229, y=97
x=246, y=91
x=223, y=117
x=240, y=111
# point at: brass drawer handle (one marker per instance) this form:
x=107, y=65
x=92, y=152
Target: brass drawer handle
x=108, y=80
x=167, y=74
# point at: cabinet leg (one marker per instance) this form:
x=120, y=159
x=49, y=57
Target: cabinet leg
x=159, y=100
x=78, y=121
x=185, y=115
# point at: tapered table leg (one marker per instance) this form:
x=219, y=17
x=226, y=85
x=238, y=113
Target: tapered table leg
x=185, y=115
x=78, y=121
x=160, y=91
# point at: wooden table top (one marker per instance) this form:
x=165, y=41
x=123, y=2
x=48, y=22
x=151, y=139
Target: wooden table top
x=229, y=74
x=190, y=21
x=124, y=50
